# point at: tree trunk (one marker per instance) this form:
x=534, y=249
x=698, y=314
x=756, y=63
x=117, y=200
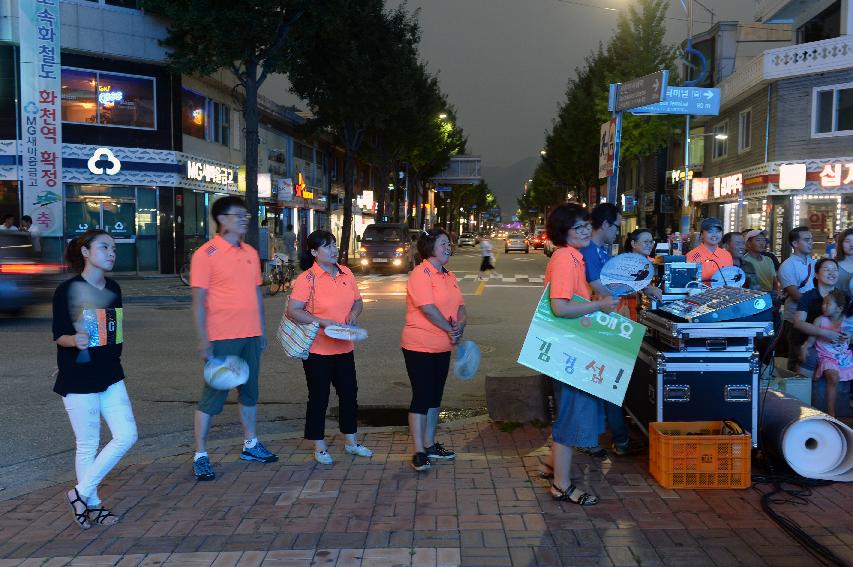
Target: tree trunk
x=250, y=115
x=382, y=190
x=351, y=143
x=396, y=216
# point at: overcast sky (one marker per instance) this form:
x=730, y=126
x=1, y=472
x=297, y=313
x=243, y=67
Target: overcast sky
x=505, y=63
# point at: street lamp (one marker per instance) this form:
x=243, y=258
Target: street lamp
x=543, y=153
x=442, y=116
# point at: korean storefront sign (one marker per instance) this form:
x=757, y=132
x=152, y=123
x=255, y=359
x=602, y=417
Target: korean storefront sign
x=594, y=353
x=832, y=175
x=41, y=169
x=836, y=175
x=699, y=189
x=728, y=185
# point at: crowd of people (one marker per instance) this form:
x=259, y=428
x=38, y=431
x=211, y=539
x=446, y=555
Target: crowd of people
x=229, y=320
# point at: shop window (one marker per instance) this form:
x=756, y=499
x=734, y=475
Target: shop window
x=221, y=127
x=108, y=99
x=79, y=96
x=721, y=141
x=744, y=131
x=126, y=101
x=833, y=111
x=192, y=113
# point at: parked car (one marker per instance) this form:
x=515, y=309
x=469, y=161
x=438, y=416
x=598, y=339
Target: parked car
x=467, y=239
x=516, y=241
x=386, y=246
x=538, y=240
x=24, y=278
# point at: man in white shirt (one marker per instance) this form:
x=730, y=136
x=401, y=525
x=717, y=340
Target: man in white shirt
x=8, y=223
x=796, y=276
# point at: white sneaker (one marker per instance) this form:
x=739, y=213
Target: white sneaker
x=323, y=457
x=359, y=450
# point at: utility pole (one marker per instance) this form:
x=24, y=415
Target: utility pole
x=685, y=196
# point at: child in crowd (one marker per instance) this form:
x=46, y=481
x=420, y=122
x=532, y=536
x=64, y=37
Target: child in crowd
x=835, y=362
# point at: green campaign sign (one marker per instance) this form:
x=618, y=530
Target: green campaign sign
x=595, y=353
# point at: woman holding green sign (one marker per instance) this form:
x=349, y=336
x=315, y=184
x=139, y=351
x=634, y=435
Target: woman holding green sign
x=580, y=416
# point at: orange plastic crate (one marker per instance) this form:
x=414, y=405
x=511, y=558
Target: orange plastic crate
x=695, y=455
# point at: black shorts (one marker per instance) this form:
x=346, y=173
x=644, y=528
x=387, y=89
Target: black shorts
x=428, y=374
x=486, y=264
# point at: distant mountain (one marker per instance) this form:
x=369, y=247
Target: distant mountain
x=507, y=183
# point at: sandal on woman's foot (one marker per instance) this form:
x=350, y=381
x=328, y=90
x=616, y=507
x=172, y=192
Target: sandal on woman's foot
x=81, y=517
x=595, y=452
x=102, y=517
x=573, y=494
x=546, y=471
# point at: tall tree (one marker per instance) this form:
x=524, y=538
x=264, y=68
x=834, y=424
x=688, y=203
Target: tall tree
x=248, y=38
x=337, y=64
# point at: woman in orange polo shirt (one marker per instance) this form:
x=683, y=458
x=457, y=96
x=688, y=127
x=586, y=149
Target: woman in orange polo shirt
x=580, y=416
x=435, y=321
x=639, y=241
x=326, y=293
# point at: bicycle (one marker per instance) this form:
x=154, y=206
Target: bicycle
x=282, y=275
x=184, y=271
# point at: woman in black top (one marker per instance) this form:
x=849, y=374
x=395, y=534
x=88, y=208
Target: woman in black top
x=87, y=329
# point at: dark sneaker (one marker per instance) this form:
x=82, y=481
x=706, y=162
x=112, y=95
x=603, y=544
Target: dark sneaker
x=420, y=462
x=621, y=450
x=438, y=451
x=202, y=469
x=258, y=453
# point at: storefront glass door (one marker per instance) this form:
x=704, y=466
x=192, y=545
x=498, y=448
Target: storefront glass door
x=100, y=207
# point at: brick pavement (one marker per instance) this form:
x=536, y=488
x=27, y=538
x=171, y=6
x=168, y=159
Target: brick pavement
x=487, y=508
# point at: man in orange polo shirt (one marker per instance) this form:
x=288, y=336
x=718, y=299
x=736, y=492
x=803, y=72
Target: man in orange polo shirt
x=229, y=318
x=709, y=253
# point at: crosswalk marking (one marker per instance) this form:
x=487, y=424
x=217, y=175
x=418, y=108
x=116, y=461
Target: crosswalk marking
x=374, y=278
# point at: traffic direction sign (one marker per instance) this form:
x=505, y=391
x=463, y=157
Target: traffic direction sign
x=685, y=100
x=642, y=91
x=442, y=189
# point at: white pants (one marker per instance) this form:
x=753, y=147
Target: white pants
x=85, y=411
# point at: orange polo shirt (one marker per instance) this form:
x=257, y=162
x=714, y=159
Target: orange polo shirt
x=430, y=286
x=333, y=299
x=231, y=275
x=566, y=274
x=702, y=254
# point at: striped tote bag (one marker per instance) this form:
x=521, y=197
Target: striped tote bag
x=296, y=338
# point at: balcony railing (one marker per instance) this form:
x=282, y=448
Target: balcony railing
x=791, y=61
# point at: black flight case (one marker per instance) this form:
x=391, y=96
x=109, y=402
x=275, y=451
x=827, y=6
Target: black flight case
x=697, y=372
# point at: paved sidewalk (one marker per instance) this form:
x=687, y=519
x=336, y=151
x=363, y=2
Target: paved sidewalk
x=487, y=508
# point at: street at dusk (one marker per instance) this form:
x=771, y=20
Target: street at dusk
x=426, y=283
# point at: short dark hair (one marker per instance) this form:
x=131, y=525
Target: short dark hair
x=7, y=217
x=74, y=250
x=727, y=237
x=794, y=235
x=27, y=218
x=562, y=219
x=603, y=212
x=634, y=236
x=426, y=241
x=316, y=239
x=222, y=206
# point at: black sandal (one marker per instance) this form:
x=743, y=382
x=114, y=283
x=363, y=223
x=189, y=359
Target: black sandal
x=102, y=517
x=595, y=452
x=575, y=495
x=82, y=518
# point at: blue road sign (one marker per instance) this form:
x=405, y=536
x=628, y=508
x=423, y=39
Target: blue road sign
x=685, y=100
x=442, y=189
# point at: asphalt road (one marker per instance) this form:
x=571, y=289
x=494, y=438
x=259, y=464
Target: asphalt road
x=164, y=373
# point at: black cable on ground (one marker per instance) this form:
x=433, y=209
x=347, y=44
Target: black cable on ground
x=788, y=488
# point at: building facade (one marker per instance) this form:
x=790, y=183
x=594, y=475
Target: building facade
x=779, y=154
x=143, y=151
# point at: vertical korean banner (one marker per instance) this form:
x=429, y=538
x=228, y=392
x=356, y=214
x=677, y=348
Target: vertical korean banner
x=41, y=115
